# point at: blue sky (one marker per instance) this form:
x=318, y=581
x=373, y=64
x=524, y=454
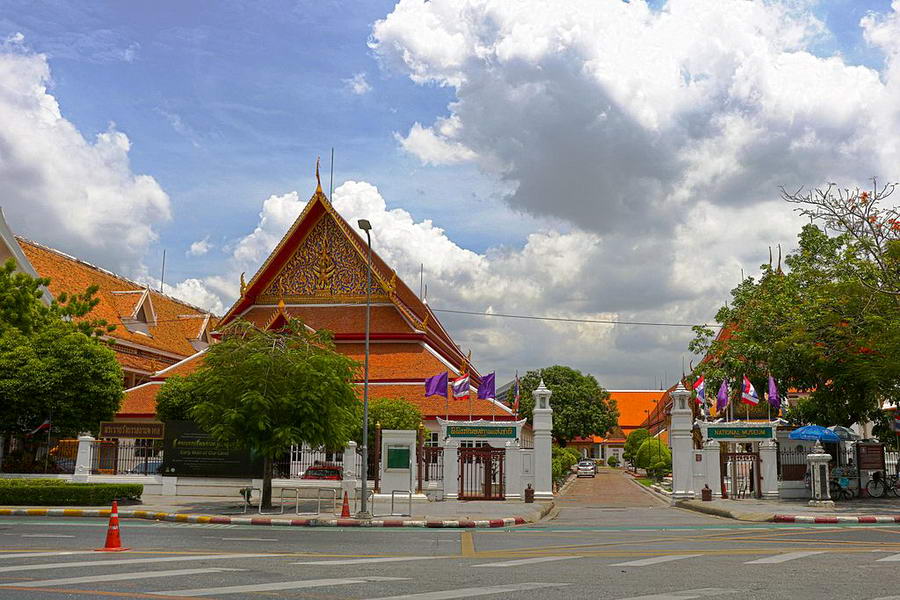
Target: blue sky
x=565, y=204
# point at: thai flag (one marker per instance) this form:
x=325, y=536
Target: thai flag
x=896, y=422
x=748, y=393
x=45, y=426
x=700, y=388
x=461, y=386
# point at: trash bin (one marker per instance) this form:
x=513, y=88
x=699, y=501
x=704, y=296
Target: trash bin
x=706, y=494
x=529, y=494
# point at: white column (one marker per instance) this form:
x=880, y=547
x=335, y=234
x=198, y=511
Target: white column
x=83, y=459
x=512, y=471
x=682, y=440
x=451, y=469
x=543, y=443
x=712, y=455
x=350, y=480
x=768, y=465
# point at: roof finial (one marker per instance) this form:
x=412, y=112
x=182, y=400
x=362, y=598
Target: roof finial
x=318, y=181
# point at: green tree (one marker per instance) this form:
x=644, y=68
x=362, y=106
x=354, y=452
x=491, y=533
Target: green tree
x=580, y=406
x=816, y=328
x=654, y=457
x=176, y=397
x=393, y=413
x=266, y=391
x=52, y=364
x=633, y=443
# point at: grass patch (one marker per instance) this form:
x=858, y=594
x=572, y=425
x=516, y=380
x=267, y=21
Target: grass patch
x=645, y=481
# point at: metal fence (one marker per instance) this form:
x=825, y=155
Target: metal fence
x=527, y=441
x=432, y=463
x=126, y=457
x=302, y=460
x=28, y=455
x=791, y=465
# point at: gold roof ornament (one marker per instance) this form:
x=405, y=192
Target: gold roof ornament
x=243, y=284
x=392, y=284
x=425, y=322
x=318, y=181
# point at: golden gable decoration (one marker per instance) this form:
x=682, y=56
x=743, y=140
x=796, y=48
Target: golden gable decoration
x=325, y=267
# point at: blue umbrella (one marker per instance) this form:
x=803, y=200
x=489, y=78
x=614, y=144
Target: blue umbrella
x=814, y=432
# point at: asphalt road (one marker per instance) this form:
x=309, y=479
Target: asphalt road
x=594, y=548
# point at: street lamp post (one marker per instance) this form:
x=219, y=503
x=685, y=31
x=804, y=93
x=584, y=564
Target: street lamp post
x=363, y=513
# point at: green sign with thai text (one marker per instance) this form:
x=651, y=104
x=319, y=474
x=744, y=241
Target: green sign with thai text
x=480, y=431
x=740, y=433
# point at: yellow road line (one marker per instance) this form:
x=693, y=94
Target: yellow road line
x=467, y=543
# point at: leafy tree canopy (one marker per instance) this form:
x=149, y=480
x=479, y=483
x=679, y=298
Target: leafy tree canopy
x=266, y=391
x=176, y=397
x=51, y=363
x=580, y=406
x=633, y=443
x=392, y=413
x=654, y=457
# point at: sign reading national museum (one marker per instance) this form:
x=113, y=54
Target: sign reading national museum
x=761, y=432
x=481, y=431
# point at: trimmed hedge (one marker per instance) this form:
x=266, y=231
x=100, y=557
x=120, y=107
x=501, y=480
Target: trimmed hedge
x=56, y=492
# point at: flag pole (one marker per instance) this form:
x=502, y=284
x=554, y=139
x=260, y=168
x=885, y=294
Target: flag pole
x=49, y=428
x=447, y=401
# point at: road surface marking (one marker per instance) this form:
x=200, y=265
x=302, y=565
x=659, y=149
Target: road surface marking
x=654, y=561
x=475, y=591
x=129, y=561
x=525, y=561
x=359, y=561
x=684, y=595
x=248, y=539
x=273, y=587
x=36, y=554
x=120, y=577
x=891, y=558
x=46, y=535
x=780, y=558
x=467, y=544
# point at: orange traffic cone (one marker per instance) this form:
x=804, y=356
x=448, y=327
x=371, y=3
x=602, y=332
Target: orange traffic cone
x=113, y=542
x=345, y=510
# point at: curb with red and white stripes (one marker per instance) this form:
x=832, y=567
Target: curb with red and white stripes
x=263, y=521
x=826, y=519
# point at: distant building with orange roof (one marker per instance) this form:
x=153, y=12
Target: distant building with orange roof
x=634, y=407
x=317, y=273
x=152, y=331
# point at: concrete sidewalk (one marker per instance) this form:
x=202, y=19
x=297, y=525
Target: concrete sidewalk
x=860, y=510
x=206, y=509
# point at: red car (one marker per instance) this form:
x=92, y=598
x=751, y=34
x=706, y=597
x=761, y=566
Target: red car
x=324, y=472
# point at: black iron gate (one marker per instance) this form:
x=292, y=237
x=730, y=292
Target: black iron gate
x=481, y=475
x=740, y=474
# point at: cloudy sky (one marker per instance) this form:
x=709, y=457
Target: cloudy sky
x=591, y=159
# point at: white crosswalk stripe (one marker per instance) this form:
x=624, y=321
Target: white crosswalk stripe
x=685, y=594
x=473, y=591
x=891, y=558
x=643, y=562
x=525, y=561
x=128, y=561
x=273, y=587
x=780, y=558
x=120, y=577
x=41, y=554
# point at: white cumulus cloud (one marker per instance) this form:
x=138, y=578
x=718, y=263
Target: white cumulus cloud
x=358, y=84
x=200, y=247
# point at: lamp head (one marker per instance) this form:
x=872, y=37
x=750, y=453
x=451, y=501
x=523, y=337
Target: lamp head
x=364, y=224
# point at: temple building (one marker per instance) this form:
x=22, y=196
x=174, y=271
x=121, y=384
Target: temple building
x=317, y=273
x=152, y=331
x=634, y=408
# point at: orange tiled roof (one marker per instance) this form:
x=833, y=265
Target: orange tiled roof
x=171, y=332
x=140, y=363
x=633, y=403
x=183, y=368
x=395, y=361
x=140, y=400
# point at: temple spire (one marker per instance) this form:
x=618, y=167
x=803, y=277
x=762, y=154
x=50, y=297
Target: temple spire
x=318, y=181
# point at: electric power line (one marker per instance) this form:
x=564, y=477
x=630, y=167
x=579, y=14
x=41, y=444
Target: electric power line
x=568, y=320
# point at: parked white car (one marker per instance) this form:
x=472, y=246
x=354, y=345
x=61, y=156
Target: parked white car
x=586, y=468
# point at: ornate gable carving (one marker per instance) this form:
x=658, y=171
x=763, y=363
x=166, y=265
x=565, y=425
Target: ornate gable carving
x=325, y=267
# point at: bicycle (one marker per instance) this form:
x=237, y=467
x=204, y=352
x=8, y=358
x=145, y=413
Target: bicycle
x=840, y=489
x=880, y=486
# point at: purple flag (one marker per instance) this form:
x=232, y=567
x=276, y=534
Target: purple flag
x=774, y=398
x=486, y=389
x=722, y=396
x=436, y=386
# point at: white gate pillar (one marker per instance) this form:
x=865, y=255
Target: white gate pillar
x=512, y=469
x=682, y=445
x=451, y=469
x=712, y=456
x=543, y=443
x=350, y=479
x=83, y=459
x=768, y=465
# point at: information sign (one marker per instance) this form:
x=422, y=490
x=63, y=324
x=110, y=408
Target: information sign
x=744, y=432
x=190, y=451
x=144, y=430
x=481, y=431
x=398, y=457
